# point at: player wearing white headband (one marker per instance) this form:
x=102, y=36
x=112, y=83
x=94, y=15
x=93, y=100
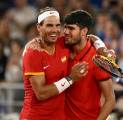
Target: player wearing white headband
x=46, y=14
x=45, y=71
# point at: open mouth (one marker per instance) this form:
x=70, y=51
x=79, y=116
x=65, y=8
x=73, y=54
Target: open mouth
x=53, y=36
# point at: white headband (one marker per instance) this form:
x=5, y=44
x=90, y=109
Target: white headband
x=46, y=14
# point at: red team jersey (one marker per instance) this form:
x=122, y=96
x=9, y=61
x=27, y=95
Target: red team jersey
x=83, y=97
x=38, y=62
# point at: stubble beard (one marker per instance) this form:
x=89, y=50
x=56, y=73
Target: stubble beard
x=72, y=42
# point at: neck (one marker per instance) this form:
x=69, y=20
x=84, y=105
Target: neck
x=78, y=47
x=49, y=47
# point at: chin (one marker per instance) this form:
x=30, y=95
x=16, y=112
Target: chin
x=51, y=41
x=71, y=43
x=54, y=40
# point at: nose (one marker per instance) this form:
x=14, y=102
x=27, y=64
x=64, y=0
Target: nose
x=56, y=29
x=66, y=31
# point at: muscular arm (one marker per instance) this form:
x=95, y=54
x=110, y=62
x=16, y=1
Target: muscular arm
x=108, y=93
x=41, y=90
x=44, y=91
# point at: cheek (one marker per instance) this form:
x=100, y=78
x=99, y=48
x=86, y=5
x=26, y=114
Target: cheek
x=76, y=35
x=59, y=30
x=45, y=32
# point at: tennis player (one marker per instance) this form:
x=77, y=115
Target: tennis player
x=45, y=62
x=83, y=97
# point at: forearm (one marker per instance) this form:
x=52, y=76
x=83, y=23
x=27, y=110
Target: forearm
x=106, y=109
x=44, y=91
x=48, y=91
x=109, y=99
x=98, y=44
x=96, y=41
x=100, y=47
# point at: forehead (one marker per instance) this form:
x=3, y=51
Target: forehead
x=71, y=25
x=52, y=19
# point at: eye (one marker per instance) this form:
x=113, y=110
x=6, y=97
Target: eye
x=71, y=28
x=49, y=25
x=58, y=25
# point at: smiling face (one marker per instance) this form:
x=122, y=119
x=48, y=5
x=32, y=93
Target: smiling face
x=50, y=29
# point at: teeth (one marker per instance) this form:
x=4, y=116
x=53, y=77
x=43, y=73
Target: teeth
x=53, y=35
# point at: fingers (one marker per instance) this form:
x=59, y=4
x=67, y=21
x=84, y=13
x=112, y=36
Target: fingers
x=82, y=67
x=91, y=36
x=111, y=53
x=79, y=70
x=85, y=73
x=82, y=71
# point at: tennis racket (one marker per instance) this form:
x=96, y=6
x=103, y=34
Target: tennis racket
x=108, y=65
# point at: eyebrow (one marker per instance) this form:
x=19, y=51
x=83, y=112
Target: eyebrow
x=52, y=24
x=70, y=27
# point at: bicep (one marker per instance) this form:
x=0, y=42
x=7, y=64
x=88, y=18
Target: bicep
x=41, y=89
x=107, y=88
x=37, y=82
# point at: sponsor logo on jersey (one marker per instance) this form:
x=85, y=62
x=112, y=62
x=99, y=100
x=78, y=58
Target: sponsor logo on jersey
x=45, y=67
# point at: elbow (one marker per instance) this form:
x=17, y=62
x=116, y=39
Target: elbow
x=41, y=97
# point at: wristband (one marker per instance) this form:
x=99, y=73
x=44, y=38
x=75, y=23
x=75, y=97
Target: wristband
x=69, y=79
x=99, y=43
x=62, y=85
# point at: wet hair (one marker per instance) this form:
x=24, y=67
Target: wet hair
x=44, y=10
x=80, y=18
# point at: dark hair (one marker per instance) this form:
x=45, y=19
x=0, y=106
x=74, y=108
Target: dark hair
x=44, y=10
x=80, y=18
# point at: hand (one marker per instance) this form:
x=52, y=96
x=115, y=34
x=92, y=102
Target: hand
x=111, y=53
x=79, y=70
x=107, y=53
x=93, y=38
x=102, y=50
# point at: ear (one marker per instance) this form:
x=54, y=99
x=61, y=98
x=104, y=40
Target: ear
x=84, y=31
x=38, y=27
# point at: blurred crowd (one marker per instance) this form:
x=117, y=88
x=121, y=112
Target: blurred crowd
x=18, y=20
